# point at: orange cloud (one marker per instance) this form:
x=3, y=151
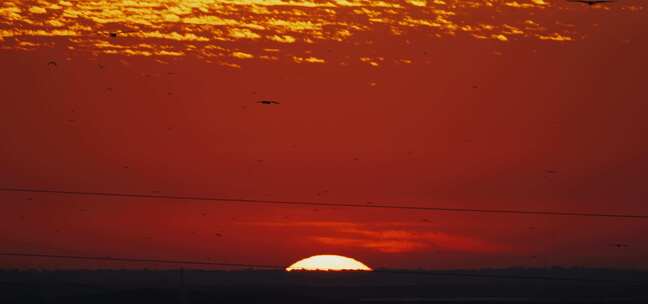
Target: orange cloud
x=388, y=246
x=295, y=27
x=389, y=237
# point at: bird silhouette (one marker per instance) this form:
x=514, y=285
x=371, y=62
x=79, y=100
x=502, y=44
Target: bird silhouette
x=591, y=2
x=117, y=33
x=268, y=102
x=619, y=245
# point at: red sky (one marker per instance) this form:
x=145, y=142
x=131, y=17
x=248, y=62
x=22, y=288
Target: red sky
x=460, y=104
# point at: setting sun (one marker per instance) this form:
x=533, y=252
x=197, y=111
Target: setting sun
x=328, y=263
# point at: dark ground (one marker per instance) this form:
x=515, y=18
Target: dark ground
x=574, y=285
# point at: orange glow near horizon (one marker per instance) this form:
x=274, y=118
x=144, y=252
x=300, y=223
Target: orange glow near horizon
x=328, y=263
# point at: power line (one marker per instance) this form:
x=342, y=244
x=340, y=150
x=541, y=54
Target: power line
x=138, y=260
x=282, y=268
x=329, y=204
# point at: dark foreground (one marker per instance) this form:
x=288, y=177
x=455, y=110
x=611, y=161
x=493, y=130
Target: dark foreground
x=194, y=286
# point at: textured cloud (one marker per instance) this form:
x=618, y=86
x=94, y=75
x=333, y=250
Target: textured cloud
x=389, y=237
x=296, y=27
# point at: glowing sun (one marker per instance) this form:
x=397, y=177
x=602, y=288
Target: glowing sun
x=328, y=263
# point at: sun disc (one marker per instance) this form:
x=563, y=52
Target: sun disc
x=328, y=262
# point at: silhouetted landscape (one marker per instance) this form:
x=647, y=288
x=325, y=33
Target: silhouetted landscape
x=514, y=285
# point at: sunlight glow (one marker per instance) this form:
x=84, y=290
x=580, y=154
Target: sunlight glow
x=328, y=263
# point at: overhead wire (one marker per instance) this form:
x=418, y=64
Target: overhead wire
x=372, y=205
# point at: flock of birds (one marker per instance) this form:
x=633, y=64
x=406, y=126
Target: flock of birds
x=54, y=64
x=115, y=34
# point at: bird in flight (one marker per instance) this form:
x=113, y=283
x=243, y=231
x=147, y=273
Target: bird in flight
x=115, y=34
x=591, y=2
x=268, y=102
x=620, y=245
